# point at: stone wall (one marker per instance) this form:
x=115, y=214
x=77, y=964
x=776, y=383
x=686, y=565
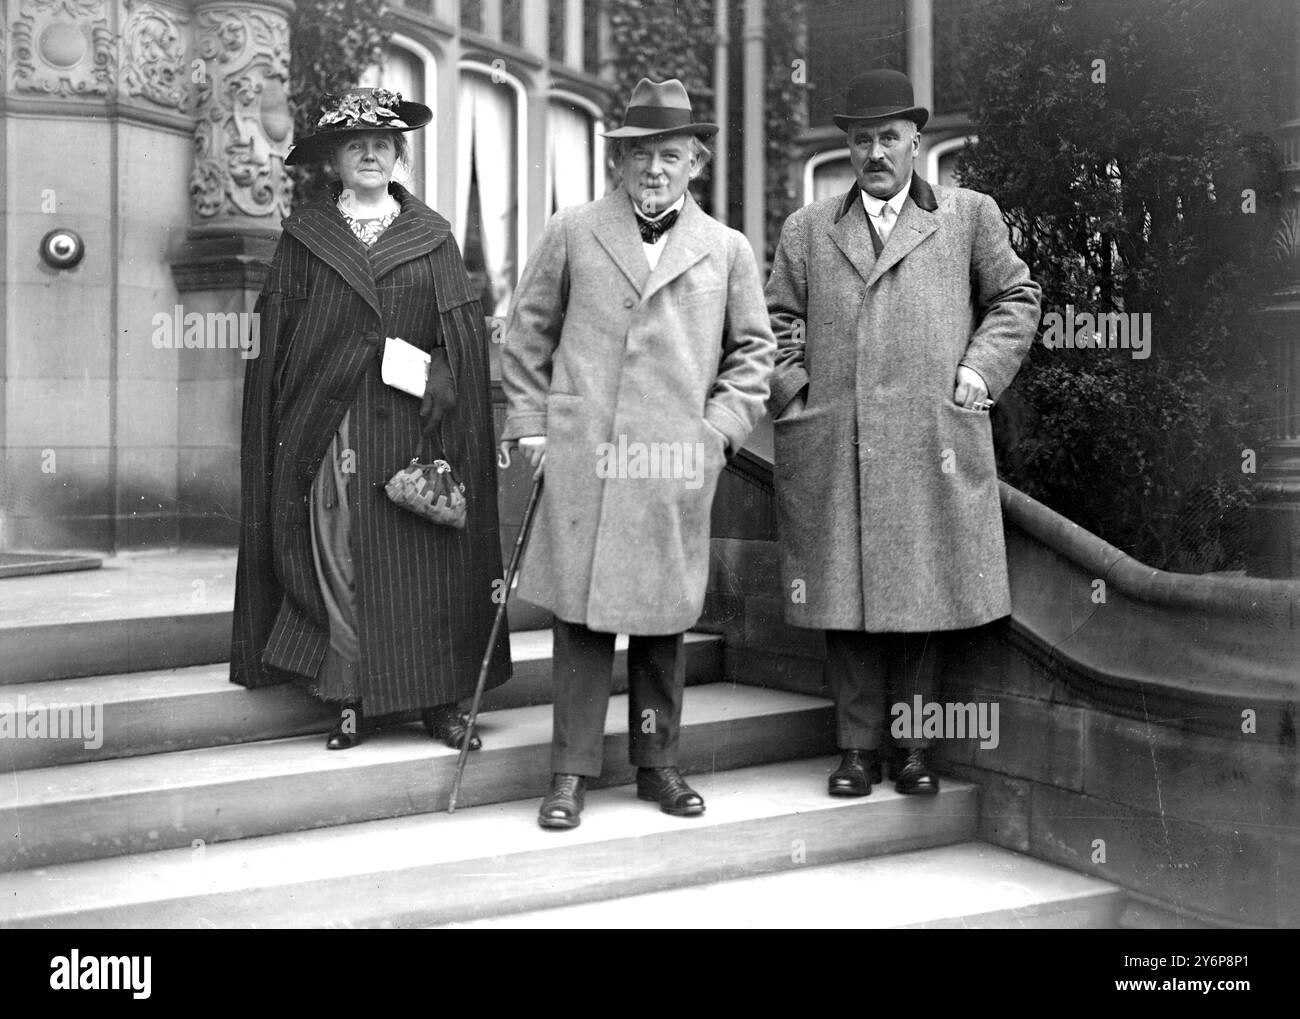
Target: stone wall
x=1147, y=721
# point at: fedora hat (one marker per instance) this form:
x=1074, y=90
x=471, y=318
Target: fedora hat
x=661, y=107
x=357, y=109
x=880, y=94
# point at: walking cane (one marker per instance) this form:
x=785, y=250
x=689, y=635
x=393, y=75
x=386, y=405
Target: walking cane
x=520, y=543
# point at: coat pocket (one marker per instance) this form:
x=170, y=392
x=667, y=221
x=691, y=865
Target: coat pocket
x=966, y=441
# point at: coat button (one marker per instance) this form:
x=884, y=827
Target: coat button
x=629, y=303
x=381, y=410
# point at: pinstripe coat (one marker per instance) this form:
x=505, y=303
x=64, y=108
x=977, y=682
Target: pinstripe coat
x=424, y=593
x=887, y=495
x=612, y=361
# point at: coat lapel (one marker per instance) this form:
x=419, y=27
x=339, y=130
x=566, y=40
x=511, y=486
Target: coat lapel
x=687, y=243
x=851, y=232
x=616, y=231
x=417, y=231
x=852, y=236
x=322, y=229
x=916, y=222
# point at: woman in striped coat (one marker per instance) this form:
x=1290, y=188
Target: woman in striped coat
x=367, y=605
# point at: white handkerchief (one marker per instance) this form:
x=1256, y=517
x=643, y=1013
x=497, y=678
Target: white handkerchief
x=405, y=367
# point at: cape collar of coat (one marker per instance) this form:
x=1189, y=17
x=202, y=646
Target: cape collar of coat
x=916, y=222
x=416, y=231
x=615, y=229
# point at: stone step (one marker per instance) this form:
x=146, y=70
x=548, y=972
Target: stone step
x=106, y=808
x=428, y=869
x=139, y=612
x=159, y=711
x=968, y=885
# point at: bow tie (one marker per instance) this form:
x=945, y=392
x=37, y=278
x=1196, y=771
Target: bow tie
x=653, y=229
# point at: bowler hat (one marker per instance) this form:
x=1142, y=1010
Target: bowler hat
x=880, y=94
x=660, y=108
x=357, y=109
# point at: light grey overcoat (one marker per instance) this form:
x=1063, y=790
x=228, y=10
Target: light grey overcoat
x=628, y=373
x=887, y=497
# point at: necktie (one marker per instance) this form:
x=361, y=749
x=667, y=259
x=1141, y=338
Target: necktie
x=653, y=229
x=885, y=222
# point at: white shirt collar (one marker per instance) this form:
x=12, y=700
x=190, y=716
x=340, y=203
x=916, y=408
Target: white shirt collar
x=873, y=205
x=676, y=205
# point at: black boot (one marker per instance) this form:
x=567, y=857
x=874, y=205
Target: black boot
x=857, y=770
x=911, y=772
x=666, y=787
x=347, y=732
x=445, y=722
x=562, y=806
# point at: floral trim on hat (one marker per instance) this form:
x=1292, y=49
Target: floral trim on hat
x=377, y=108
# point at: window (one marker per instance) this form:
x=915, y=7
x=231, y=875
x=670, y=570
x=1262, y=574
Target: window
x=845, y=37
x=403, y=71
x=826, y=174
x=488, y=183
x=471, y=15
x=555, y=28
x=941, y=160
x=591, y=37
x=512, y=29
x=575, y=153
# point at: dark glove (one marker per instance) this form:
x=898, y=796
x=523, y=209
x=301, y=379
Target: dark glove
x=439, y=390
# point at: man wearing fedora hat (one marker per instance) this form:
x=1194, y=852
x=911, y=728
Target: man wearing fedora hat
x=901, y=313
x=637, y=353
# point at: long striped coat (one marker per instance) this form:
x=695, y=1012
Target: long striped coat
x=424, y=592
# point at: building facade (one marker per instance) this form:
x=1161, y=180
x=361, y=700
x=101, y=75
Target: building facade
x=143, y=186
x=142, y=192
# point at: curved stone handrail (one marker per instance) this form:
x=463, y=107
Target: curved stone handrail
x=1216, y=636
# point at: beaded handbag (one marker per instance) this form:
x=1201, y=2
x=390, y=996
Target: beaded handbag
x=429, y=490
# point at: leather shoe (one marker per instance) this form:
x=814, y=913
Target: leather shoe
x=669, y=789
x=444, y=722
x=347, y=732
x=562, y=806
x=912, y=774
x=857, y=770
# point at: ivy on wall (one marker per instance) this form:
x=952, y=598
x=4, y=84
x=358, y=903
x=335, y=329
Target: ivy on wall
x=334, y=41
x=662, y=39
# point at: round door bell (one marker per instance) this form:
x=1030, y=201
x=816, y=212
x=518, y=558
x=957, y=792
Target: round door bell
x=62, y=249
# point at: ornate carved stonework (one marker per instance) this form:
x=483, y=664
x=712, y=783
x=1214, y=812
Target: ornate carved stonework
x=63, y=47
x=244, y=126
x=154, y=64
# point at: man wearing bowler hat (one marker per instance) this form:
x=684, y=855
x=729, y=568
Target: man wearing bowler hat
x=901, y=313
x=636, y=359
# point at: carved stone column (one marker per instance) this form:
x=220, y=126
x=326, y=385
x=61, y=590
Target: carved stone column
x=239, y=193
x=1277, y=511
x=244, y=127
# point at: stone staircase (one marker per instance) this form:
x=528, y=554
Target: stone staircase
x=208, y=805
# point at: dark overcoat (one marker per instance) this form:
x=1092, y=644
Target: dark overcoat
x=641, y=380
x=424, y=593
x=887, y=495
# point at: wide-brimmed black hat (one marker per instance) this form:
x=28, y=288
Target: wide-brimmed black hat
x=357, y=109
x=661, y=107
x=879, y=95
